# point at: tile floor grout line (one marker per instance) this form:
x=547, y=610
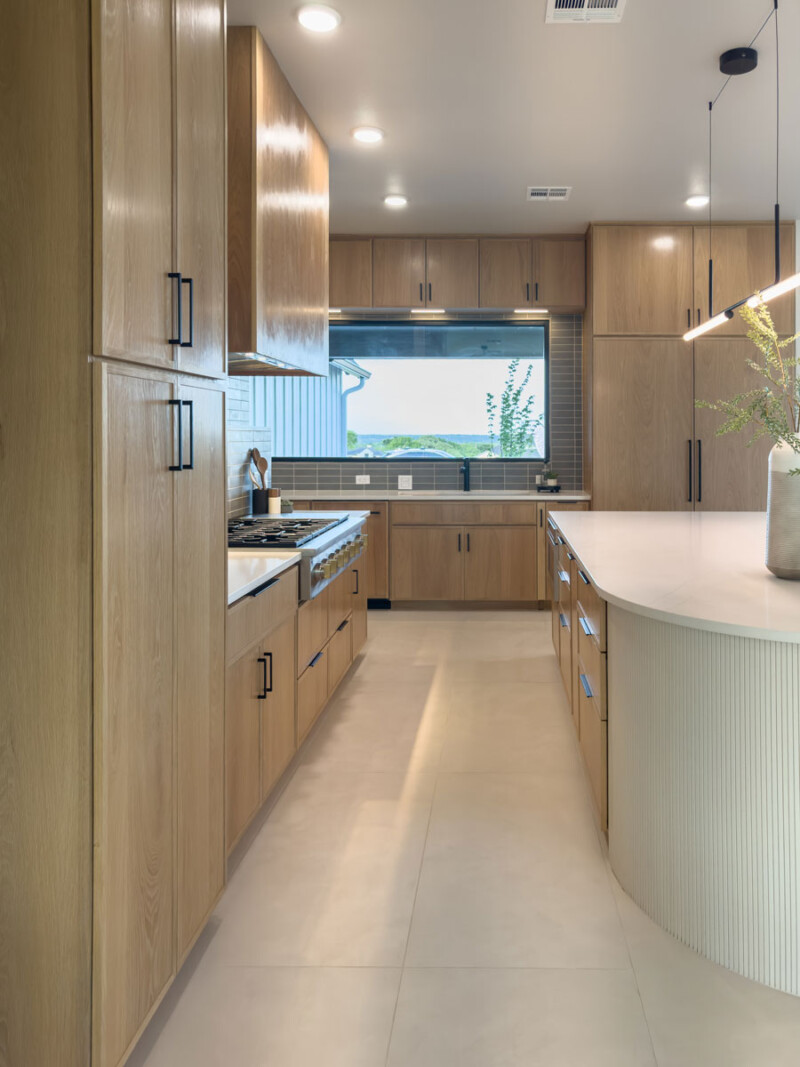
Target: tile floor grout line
x=416, y=890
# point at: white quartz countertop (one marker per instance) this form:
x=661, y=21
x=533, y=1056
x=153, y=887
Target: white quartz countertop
x=431, y=494
x=248, y=569
x=704, y=570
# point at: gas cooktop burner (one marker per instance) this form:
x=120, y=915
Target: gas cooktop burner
x=276, y=533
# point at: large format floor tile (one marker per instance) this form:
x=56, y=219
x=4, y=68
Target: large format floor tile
x=430, y=890
x=276, y=1017
x=513, y=876
x=519, y=1018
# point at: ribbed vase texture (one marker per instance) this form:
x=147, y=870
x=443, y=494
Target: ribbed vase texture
x=783, y=513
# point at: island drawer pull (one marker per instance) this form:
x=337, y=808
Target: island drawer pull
x=263, y=694
x=317, y=658
x=583, y=577
x=564, y=577
x=586, y=687
x=570, y=555
x=586, y=626
x=342, y=625
x=262, y=588
x=563, y=618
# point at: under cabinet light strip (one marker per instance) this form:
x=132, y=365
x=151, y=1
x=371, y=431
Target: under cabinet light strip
x=709, y=324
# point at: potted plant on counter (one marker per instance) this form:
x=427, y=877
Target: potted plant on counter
x=772, y=411
x=551, y=477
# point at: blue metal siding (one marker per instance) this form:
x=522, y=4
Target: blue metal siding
x=304, y=414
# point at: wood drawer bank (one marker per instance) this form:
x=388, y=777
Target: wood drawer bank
x=283, y=665
x=579, y=639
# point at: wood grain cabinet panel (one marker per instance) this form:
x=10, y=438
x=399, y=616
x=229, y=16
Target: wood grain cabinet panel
x=642, y=278
x=398, y=272
x=643, y=418
x=452, y=272
x=278, y=728
x=559, y=273
x=359, y=594
x=244, y=683
x=200, y=177
x=427, y=562
x=350, y=273
x=744, y=261
x=312, y=628
x=200, y=565
x=340, y=653
x=134, y=753
x=500, y=563
x=506, y=272
x=277, y=217
x=134, y=299
x=729, y=473
x=312, y=692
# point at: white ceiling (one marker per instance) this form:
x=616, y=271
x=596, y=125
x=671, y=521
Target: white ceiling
x=480, y=98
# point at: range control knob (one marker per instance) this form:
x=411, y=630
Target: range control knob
x=327, y=567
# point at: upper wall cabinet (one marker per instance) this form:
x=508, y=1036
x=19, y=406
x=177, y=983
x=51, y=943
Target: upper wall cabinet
x=643, y=280
x=277, y=219
x=452, y=272
x=398, y=272
x=351, y=273
x=159, y=184
x=744, y=261
x=559, y=272
x=506, y=275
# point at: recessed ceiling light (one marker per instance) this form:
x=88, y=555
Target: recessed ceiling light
x=700, y=200
x=319, y=18
x=395, y=200
x=368, y=134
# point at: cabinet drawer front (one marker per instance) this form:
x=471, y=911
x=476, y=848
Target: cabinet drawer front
x=457, y=512
x=340, y=653
x=592, y=606
x=594, y=746
x=340, y=600
x=312, y=628
x=591, y=671
x=253, y=616
x=312, y=693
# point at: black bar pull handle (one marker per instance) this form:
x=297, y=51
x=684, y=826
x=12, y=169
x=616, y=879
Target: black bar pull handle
x=459, y=542
x=179, y=465
x=190, y=405
x=541, y=518
x=177, y=340
x=689, y=318
x=268, y=688
x=699, y=470
x=262, y=588
x=374, y=513
x=190, y=283
x=468, y=543
x=536, y=292
x=528, y=291
x=263, y=694
x=430, y=291
x=421, y=293
x=698, y=316
x=691, y=473
x=355, y=572
x=586, y=687
x=316, y=659
x=583, y=577
x=342, y=625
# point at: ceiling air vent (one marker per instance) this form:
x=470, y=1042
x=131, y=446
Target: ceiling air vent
x=584, y=10
x=549, y=192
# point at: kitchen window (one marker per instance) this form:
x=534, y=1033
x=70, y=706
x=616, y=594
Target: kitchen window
x=409, y=391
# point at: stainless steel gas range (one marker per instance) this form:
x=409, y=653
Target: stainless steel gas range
x=327, y=542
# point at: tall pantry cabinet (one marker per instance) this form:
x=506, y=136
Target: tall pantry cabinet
x=648, y=445
x=160, y=546
x=113, y=537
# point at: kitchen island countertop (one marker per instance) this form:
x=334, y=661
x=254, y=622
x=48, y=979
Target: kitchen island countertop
x=248, y=569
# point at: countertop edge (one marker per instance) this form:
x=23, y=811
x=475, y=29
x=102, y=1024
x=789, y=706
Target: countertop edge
x=280, y=565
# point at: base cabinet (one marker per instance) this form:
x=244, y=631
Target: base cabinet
x=312, y=693
x=500, y=563
x=427, y=563
x=260, y=698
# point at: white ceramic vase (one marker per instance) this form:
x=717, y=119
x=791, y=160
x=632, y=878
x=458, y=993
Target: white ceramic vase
x=783, y=513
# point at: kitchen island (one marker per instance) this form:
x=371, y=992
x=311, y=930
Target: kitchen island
x=703, y=662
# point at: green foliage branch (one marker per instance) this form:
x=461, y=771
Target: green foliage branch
x=514, y=417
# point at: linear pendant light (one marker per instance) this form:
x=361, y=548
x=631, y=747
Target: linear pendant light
x=779, y=287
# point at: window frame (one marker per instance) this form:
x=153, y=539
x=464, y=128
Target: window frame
x=542, y=324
